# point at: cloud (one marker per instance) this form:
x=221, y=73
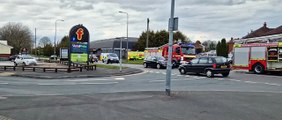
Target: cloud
x=199, y=19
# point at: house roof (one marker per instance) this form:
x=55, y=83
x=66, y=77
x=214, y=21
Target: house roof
x=259, y=32
x=4, y=43
x=277, y=30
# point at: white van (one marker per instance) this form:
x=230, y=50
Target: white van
x=109, y=58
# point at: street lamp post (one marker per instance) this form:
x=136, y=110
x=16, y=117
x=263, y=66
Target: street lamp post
x=127, y=16
x=56, y=34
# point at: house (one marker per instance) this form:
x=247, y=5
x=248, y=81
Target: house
x=5, y=49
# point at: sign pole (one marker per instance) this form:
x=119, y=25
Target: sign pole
x=169, y=66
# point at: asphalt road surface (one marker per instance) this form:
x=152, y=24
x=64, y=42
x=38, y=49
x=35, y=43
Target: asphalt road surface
x=260, y=95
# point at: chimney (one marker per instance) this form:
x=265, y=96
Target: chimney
x=264, y=24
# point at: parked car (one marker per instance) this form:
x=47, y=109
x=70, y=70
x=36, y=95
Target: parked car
x=110, y=58
x=13, y=57
x=25, y=60
x=207, y=65
x=53, y=57
x=155, y=61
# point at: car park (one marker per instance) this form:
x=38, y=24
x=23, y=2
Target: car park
x=207, y=65
x=155, y=61
x=25, y=60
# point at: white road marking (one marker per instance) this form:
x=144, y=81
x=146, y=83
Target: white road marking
x=4, y=83
x=84, y=80
x=104, y=83
x=157, y=72
x=234, y=80
x=55, y=84
x=269, y=76
x=273, y=84
x=152, y=81
x=249, y=82
x=163, y=73
x=179, y=75
x=119, y=78
x=2, y=98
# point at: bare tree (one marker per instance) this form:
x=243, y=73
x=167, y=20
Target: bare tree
x=17, y=35
x=44, y=41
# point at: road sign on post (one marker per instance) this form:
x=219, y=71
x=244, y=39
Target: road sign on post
x=79, y=45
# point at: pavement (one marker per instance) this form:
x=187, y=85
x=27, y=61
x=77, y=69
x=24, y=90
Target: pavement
x=146, y=106
x=99, y=72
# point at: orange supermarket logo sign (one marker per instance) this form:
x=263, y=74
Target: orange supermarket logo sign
x=79, y=34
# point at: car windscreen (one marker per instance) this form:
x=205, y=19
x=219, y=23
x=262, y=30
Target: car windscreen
x=113, y=55
x=160, y=58
x=188, y=50
x=220, y=59
x=27, y=57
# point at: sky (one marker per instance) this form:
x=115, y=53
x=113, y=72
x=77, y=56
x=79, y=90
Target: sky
x=198, y=19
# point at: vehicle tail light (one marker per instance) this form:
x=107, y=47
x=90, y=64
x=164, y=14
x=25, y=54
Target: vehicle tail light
x=214, y=66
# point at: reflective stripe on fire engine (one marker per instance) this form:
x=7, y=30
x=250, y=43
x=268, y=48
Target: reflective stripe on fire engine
x=190, y=56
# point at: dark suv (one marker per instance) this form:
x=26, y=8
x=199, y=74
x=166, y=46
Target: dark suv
x=207, y=65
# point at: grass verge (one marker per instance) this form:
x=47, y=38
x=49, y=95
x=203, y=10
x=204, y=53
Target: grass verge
x=140, y=62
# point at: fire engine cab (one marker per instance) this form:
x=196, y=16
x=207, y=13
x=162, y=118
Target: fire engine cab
x=181, y=52
x=258, y=57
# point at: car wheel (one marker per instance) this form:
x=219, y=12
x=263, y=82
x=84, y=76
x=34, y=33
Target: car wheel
x=108, y=61
x=15, y=64
x=182, y=71
x=258, y=69
x=209, y=73
x=159, y=66
x=225, y=74
x=145, y=65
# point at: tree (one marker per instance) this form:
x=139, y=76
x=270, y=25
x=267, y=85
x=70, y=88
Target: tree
x=64, y=42
x=212, y=46
x=17, y=35
x=157, y=39
x=218, y=49
x=44, y=41
x=224, y=47
x=48, y=50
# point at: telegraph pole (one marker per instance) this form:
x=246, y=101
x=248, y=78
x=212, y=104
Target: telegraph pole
x=148, y=22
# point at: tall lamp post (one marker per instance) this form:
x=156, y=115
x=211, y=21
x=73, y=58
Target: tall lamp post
x=126, y=29
x=56, y=34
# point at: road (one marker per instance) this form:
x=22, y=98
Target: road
x=268, y=87
x=149, y=80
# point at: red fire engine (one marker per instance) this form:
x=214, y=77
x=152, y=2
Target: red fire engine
x=258, y=57
x=180, y=52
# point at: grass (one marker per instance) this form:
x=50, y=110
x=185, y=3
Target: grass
x=109, y=66
x=140, y=62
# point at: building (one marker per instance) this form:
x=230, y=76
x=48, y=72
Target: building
x=5, y=49
x=262, y=35
x=112, y=45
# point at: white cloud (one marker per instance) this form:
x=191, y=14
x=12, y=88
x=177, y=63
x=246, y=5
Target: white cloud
x=198, y=19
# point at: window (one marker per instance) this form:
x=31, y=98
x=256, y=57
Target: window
x=203, y=61
x=220, y=59
x=210, y=61
x=177, y=50
x=195, y=61
x=149, y=58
